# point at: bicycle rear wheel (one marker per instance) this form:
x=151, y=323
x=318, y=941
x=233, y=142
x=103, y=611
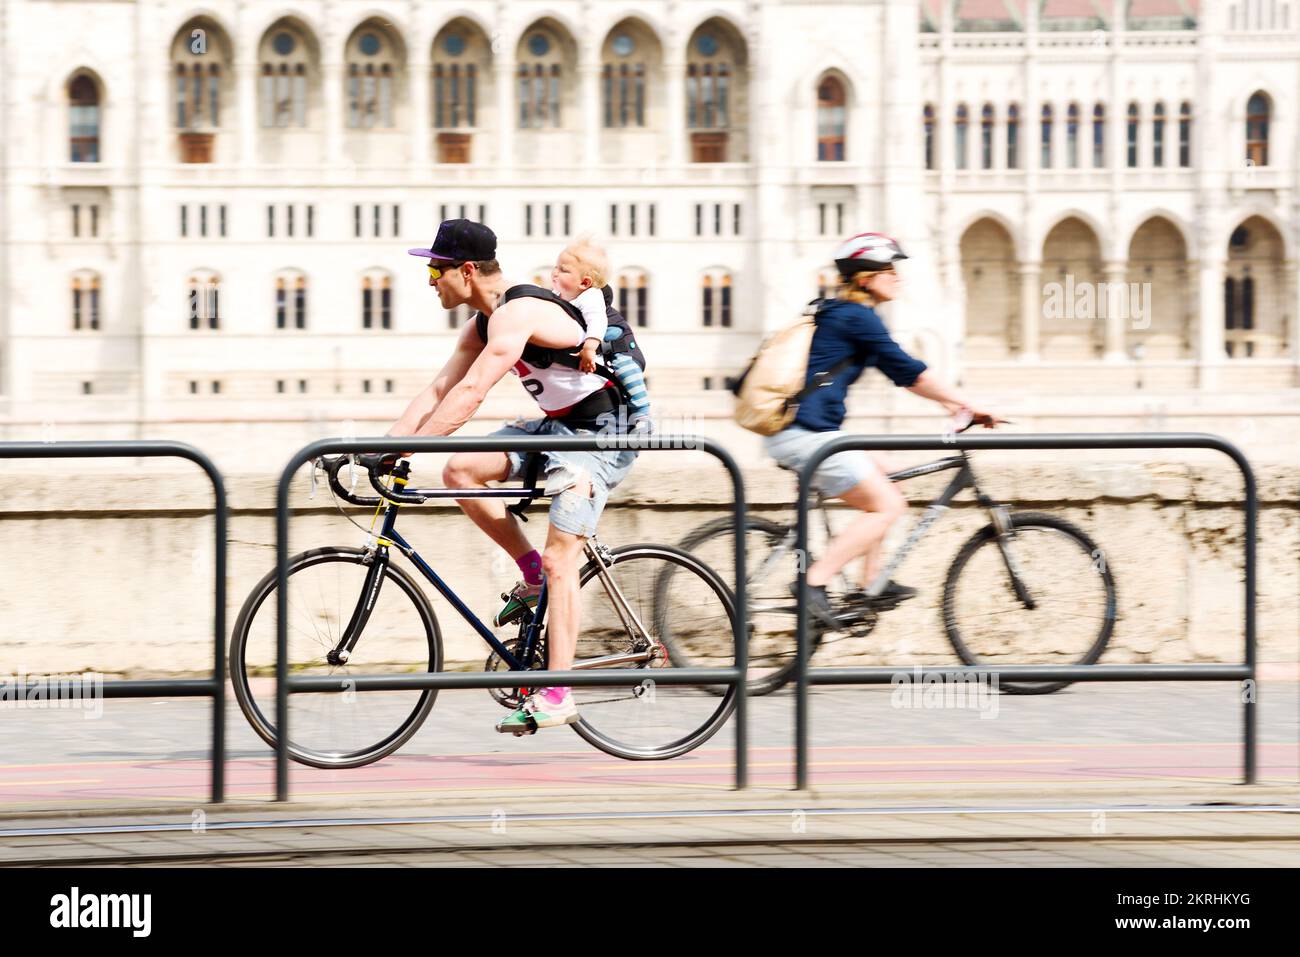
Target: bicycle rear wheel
x=348, y=728
x=1065, y=574
x=771, y=564
x=650, y=721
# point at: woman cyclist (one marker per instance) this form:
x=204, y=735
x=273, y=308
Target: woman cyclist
x=850, y=337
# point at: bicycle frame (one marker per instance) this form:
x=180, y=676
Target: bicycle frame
x=964, y=479
x=378, y=560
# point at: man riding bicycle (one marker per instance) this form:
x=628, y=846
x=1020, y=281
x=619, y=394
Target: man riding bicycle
x=536, y=334
x=850, y=337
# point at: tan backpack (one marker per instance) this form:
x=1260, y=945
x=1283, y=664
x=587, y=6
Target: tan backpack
x=770, y=389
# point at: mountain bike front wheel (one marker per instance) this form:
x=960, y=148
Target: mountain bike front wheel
x=344, y=728
x=1040, y=593
x=624, y=623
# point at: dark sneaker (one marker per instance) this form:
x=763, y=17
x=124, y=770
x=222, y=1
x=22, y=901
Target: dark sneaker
x=522, y=596
x=818, y=603
x=891, y=597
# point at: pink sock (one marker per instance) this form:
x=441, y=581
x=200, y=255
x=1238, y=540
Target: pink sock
x=554, y=695
x=531, y=566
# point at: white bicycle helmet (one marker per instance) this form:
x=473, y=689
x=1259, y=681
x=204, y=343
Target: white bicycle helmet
x=867, y=252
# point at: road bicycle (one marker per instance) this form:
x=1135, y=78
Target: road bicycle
x=354, y=611
x=1027, y=588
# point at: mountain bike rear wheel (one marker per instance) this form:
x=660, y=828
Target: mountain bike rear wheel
x=651, y=721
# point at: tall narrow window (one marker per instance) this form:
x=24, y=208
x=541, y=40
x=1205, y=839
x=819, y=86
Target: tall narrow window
x=959, y=141
x=1099, y=136
x=831, y=101
x=986, y=137
x=83, y=117
x=300, y=303
x=1257, y=120
x=386, y=303
x=706, y=304
x=280, y=303
x=77, y=304
x=94, y=220
x=221, y=220
x=1045, y=141
x=1158, y=136
x=94, y=302
x=928, y=120
x=1132, y=139
x=367, y=303
x=1013, y=136
x=1185, y=135
x=311, y=215
x=1072, y=136
x=284, y=55
x=76, y=220
x=203, y=220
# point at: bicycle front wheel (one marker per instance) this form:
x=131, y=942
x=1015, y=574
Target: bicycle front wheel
x=344, y=728
x=1065, y=576
x=624, y=615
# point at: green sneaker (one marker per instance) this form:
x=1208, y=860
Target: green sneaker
x=540, y=711
x=522, y=596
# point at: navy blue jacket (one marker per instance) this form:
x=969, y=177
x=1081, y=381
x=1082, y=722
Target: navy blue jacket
x=848, y=330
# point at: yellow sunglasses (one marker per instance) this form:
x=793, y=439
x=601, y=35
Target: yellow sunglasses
x=436, y=272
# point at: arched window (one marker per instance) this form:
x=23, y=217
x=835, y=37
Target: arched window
x=462, y=60
x=831, y=102
x=83, y=120
x=373, y=60
x=1257, y=118
x=633, y=297
x=285, y=58
x=1099, y=136
x=1013, y=136
x=540, y=73
x=715, y=298
x=623, y=78
x=85, y=300
x=1132, y=139
x=1046, y=143
x=203, y=299
x=376, y=300
x=928, y=119
x=959, y=140
x=1158, y=136
x=986, y=136
x=716, y=82
x=1072, y=136
x=198, y=95
x=290, y=300
x=1185, y=135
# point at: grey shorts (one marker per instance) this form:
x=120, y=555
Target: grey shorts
x=794, y=446
x=571, y=511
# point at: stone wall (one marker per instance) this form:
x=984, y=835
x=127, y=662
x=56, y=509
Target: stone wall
x=120, y=580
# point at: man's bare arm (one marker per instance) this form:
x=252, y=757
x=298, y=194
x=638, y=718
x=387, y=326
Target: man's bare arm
x=507, y=336
x=468, y=346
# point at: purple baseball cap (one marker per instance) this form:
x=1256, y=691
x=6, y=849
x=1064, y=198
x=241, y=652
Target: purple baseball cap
x=460, y=240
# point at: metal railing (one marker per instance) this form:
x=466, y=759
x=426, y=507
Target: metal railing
x=214, y=687
x=884, y=675
x=286, y=685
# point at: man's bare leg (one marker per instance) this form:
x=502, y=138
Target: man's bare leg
x=474, y=470
x=563, y=613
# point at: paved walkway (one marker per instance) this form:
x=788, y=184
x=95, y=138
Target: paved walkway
x=1171, y=826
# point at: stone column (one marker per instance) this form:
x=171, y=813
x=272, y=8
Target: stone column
x=1209, y=354
x=1116, y=306
x=1031, y=309
x=589, y=91
x=507, y=119
x=334, y=119
x=249, y=118
x=418, y=70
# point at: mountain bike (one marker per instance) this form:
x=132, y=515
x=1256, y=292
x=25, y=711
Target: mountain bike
x=355, y=611
x=1027, y=588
